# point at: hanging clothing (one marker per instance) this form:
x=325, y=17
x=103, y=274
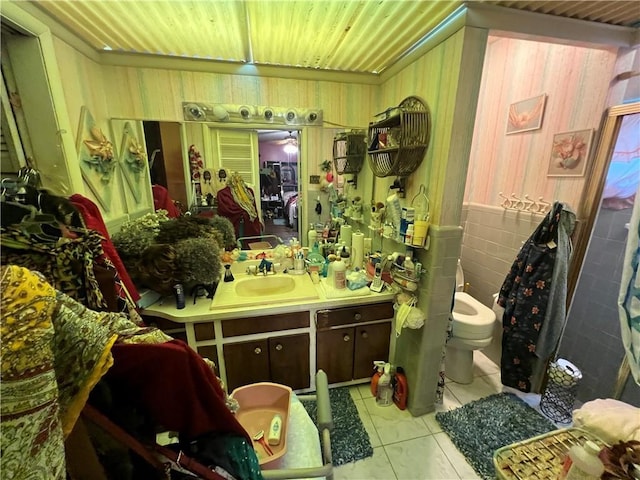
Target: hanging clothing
x=162, y=201
x=532, y=294
x=92, y=219
x=236, y=201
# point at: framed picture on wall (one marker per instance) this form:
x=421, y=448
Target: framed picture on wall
x=570, y=153
x=526, y=114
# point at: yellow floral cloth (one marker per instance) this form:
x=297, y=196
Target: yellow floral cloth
x=53, y=352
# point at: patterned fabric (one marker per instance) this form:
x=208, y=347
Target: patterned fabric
x=524, y=295
x=32, y=440
x=243, y=196
x=66, y=263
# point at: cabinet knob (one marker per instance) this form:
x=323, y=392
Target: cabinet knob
x=346, y=338
x=257, y=351
x=279, y=347
x=357, y=317
x=365, y=334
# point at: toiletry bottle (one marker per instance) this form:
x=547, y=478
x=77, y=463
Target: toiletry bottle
x=312, y=236
x=339, y=274
x=409, y=267
x=582, y=463
x=384, y=396
x=345, y=256
x=378, y=365
x=400, y=389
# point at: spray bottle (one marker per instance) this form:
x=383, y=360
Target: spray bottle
x=378, y=365
x=384, y=396
x=400, y=389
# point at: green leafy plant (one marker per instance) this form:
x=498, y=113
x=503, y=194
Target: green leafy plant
x=135, y=236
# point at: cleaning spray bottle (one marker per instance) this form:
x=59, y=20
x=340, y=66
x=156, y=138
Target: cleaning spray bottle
x=378, y=365
x=384, y=396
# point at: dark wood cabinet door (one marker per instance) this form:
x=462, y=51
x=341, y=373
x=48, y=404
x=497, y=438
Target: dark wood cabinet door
x=334, y=353
x=289, y=360
x=210, y=352
x=246, y=362
x=371, y=343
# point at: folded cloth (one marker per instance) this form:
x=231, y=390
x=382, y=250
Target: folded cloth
x=609, y=419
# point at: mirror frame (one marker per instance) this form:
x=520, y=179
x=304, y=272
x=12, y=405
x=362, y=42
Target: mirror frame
x=594, y=186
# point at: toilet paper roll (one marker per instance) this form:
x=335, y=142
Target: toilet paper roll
x=345, y=235
x=357, y=249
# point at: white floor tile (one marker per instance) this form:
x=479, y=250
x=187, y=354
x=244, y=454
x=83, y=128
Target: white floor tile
x=365, y=390
x=355, y=392
x=472, y=391
x=482, y=365
x=456, y=458
x=432, y=424
x=374, y=438
x=420, y=458
x=393, y=424
x=376, y=467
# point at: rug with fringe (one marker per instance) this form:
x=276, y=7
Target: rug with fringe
x=349, y=439
x=479, y=428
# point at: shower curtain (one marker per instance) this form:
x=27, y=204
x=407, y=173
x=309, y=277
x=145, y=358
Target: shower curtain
x=629, y=297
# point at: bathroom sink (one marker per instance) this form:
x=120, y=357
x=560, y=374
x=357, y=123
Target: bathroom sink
x=265, y=286
x=248, y=290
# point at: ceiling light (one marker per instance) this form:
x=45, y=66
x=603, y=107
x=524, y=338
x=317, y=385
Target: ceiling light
x=291, y=145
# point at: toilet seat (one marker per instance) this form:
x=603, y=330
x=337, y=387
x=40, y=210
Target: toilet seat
x=471, y=319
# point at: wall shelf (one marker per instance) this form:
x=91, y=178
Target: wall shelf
x=397, y=143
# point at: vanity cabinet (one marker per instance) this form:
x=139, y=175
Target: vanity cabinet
x=279, y=357
x=349, y=340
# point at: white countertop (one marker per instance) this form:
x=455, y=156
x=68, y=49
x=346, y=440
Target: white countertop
x=201, y=310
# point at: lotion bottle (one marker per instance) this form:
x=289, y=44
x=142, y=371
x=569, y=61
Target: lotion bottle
x=583, y=463
x=312, y=236
x=339, y=274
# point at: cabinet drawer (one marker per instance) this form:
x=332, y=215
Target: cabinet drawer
x=204, y=331
x=267, y=323
x=162, y=323
x=353, y=315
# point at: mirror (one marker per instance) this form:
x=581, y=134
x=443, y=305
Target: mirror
x=285, y=197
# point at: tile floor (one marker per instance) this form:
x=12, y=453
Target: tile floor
x=407, y=447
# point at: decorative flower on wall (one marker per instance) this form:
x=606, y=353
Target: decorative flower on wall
x=100, y=154
x=135, y=157
x=196, y=164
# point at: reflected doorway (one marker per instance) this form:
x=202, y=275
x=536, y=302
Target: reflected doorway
x=280, y=200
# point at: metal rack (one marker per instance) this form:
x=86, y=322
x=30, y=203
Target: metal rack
x=398, y=142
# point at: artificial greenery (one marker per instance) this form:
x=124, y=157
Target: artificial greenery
x=159, y=251
x=135, y=236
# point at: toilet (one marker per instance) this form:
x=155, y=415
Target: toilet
x=472, y=329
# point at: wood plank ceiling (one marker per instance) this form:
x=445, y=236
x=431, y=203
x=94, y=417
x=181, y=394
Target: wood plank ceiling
x=341, y=35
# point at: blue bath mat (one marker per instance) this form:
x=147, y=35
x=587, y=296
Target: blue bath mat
x=349, y=439
x=480, y=428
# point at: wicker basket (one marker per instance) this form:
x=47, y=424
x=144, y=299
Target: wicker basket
x=539, y=457
x=399, y=141
x=349, y=150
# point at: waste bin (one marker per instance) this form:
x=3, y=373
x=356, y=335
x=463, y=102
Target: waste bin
x=560, y=393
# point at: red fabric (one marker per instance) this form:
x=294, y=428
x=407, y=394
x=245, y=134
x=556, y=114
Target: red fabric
x=93, y=220
x=175, y=386
x=227, y=207
x=161, y=200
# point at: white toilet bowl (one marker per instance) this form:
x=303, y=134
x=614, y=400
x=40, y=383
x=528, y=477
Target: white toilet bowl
x=472, y=329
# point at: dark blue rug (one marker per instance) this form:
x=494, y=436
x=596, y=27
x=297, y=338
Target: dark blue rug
x=349, y=439
x=480, y=428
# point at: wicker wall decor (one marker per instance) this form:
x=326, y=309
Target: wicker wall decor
x=398, y=141
x=349, y=150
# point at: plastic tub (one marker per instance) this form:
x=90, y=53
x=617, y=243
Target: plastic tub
x=259, y=402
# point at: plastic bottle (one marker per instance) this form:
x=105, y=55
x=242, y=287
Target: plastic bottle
x=384, y=396
x=379, y=365
x=312, y=235
x=345, y=256
x=339, y=274
x=400, y=389
x=583, y=463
